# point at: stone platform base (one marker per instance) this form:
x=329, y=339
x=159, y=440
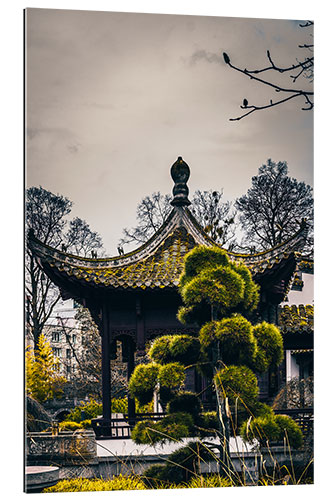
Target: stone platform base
x=39, y=477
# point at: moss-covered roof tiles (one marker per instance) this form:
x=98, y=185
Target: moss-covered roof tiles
x=156, y=264
x=296, y=319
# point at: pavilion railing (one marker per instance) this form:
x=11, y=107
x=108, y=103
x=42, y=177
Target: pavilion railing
x=120, y=427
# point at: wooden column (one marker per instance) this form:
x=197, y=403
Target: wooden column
x=140, y=327
x=130, y=368
x=106, y=368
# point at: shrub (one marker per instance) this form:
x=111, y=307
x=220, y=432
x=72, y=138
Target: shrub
x=185, y=349
x=173, y=427
x=202, y=257
x=273, y=428
x=185, y=402
x=117, y=483
x=86, y=424
x=237, y=342
x=171, y=375
x=69, y=426
x=85, y=411
x=143, y=382
x=238, y=382
x=270, y=346
x=175, y=348
x=160, y=350
x=208, y=423
x=262, y=429
x=290, y=429
x=251, y=289
x=207, y=334
x=220, y=285
x=179, y=468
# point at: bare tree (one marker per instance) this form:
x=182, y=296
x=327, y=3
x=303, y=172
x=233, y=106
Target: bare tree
x=152, y=212
x=80, y=239
x=274, y=207
x=293, y=72
x=213, y=214
x=46, y=216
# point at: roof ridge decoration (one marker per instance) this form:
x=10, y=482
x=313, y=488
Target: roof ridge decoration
x=180, y=173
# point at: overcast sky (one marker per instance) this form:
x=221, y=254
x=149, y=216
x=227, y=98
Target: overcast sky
x=113, y=99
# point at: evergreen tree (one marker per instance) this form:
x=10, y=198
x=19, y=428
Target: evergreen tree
x=219, y=297
x=42, y=379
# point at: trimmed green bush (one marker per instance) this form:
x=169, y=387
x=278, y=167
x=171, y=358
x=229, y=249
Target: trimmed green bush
x=86, y=424
x=289, y=429
x=171, y=376
x=202, y=257
x=273, y=428
x=220, y=285
x=270, y=346
x=237, y=342
x=251, y=289
x=173, y=427
x=238, y=382
x=183, y=349
x=185, y=402
x=207, y=334
x=208, y=423
x=160, y=349
x=143, y=382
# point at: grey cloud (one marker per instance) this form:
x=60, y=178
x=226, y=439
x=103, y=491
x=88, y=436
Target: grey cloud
x=203, y=55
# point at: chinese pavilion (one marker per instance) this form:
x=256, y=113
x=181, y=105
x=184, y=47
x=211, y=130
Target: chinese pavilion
x=134, y=297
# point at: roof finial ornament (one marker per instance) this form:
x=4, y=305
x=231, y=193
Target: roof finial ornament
x=180, y=173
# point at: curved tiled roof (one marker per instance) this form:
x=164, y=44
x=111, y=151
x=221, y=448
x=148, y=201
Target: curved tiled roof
x=296, y=319
x=159, y=262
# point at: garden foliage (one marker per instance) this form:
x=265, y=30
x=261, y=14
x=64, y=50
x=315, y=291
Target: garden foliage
x=219, y=297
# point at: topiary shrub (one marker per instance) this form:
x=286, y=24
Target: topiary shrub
x=238, y=382
x=262, y=429
x=289, y=429
x=173, y=427
x=170, y=377
x=184, y=349
x=220, y=285
x=143, y=382
x=86, y=424
x=160, y=349
x=185, y=402
x=273, y=429
x=251, y=289
x=202, y=257
x=237, y=342
x=270, y=346
x=208, y=423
